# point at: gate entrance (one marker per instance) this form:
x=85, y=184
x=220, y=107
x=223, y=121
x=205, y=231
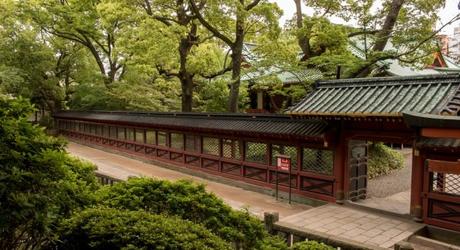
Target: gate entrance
x=379, y=176
x=357, y=167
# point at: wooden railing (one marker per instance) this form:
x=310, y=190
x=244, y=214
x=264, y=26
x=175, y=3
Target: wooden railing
x=307, y=184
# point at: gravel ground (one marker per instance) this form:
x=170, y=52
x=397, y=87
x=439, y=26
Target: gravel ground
x=395, y=182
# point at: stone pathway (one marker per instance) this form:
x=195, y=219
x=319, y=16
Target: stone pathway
x=359, y=225
x=398, y=203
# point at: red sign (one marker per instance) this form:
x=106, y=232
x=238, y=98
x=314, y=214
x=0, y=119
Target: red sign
x=284, y=163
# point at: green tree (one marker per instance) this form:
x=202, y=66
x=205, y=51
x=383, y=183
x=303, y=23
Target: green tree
x=95, y=25
x=179, y=19
x=409, y=25
x=233, y=22
x=106, y=228
x=40, y=184
x=26, y=61
x=398, y=30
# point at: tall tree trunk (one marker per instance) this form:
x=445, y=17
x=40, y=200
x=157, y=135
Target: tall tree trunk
x=186, y=79
x=303, y=40
x=237, y=54
x=236, y=80
x=383, y=36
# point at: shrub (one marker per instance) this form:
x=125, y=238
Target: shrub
x=188, y=201
x=383, y=159
x=40, y=184
x=311, y=245
x=106, y=228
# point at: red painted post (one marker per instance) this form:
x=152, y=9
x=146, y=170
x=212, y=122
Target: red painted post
x=416, y=208
x=340, y=164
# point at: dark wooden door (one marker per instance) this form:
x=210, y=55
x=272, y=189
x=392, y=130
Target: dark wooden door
x=357, y=167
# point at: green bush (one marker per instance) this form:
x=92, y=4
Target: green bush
x=311, y=245
x=106, y=228
x=188, y=201
x=383, y=159
x=40, y=183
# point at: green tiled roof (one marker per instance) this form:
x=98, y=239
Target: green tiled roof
x=381, y=96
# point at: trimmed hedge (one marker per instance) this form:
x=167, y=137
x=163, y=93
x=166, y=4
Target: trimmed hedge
x=107, y=228
x=383, y=160
x=191, y=202
x=311, y=245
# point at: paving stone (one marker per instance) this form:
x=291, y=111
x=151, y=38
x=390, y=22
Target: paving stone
x=349, y=226
x=348, y=220
x=315, y=225
x=372, y=233
x=402, y=236
x=337, y=231
x=372, y=216
x=387, y=244
x=392, y=232
x=368, y=226
x=353, y=232
x=379, y=239
x=387, y=226
x=363, y=221
x=361, y=238
x=406, y=226
x=328, y=220
x=332, y=226
x=340, y=215
x=321, y=229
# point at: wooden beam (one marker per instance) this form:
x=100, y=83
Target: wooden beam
x=441, y=133
x=447, y=167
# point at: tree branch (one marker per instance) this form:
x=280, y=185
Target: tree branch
x=208, y=26
x=363, y=32
x=252, y=5
x=166, y=73
x=218, y=73
x=454, y=19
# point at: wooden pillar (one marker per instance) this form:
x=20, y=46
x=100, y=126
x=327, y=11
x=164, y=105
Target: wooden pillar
x=260, y=99
x=340, y=166
x=416, y=208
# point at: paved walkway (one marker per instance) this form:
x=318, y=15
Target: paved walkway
x=122, y=167
x=334, y=220
x=391, y=192
x=361, y=226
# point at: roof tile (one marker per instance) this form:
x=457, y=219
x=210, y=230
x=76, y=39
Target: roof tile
x=388, y=96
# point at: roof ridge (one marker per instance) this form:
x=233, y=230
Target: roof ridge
x=384, y=80
x=190, y=115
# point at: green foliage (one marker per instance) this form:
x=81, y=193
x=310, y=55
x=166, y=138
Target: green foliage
x=190, y=202
x=383, y=160
x=26, y=62
x=106, y=228
x=159, y=96
x=40, y=184
x=311, y=245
